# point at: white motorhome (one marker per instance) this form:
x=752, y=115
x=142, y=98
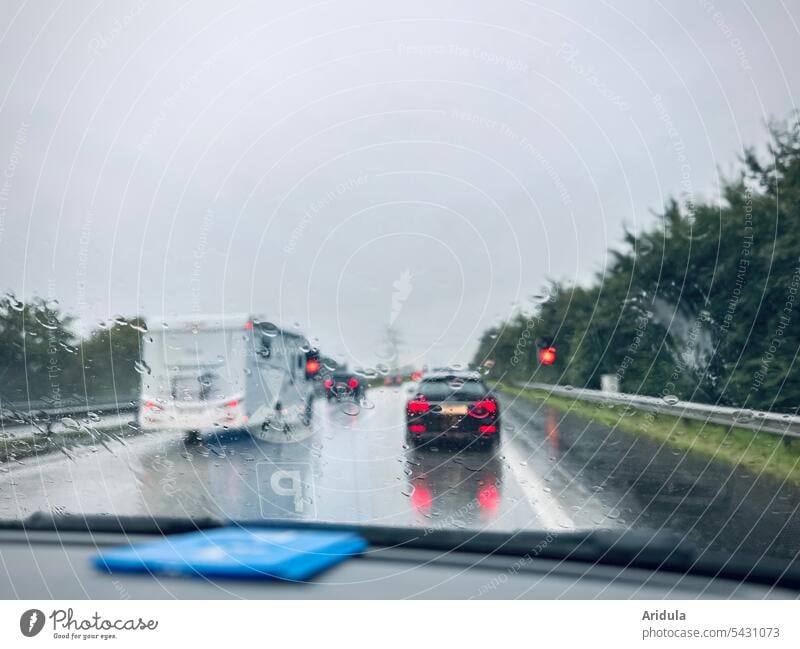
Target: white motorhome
x=202, y=374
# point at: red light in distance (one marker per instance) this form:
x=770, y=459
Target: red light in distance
x=547, y=355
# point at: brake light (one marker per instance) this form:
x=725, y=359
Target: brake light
x=233, y=403
x=421, y=497
x=489, y=497
x=151, y=405
x=418, y=406
x=484, y=408
x=312, y=366
x=490, y=428
x=328, y=383
x=353, y=383
x=248, y=326
x=416, y=428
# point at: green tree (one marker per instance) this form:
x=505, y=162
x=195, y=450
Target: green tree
x=705, y=304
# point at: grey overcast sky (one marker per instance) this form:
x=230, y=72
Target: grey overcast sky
x=350, y=165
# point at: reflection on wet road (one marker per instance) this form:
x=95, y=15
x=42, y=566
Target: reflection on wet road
x=551, y=471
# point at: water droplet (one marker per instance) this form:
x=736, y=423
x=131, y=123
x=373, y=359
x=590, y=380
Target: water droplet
x=366, y=404
x=456, y=383
x=70, y=423
x=644, y=246
x=14, y=303
x=351, y=408
x=41, y=318
x=540, y=297
x=670, y=399
x=268, y=329
x=141, y=367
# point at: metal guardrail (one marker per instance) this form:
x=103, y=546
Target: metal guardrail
x=759, y=421
x=11, y=412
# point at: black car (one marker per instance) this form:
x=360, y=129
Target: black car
x=454, y=406
x=343, y=385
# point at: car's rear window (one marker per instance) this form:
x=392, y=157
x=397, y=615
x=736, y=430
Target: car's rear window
x=452, y=388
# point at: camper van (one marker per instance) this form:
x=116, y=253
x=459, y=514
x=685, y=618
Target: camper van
x=206, y=374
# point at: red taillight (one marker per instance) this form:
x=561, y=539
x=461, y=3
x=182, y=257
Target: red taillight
x=151, y=405
x=490, y=428
x=233, y=403
x=416, y=428
x=489, y=497
x=484, y=408
x=248, y=326
x=418, y=406
x=312, y=366
x=328, y=383
x=421, y=497
x=352, y=382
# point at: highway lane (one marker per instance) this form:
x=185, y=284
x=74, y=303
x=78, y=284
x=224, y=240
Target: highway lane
x=551, y=471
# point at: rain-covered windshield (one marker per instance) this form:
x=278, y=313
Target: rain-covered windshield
x=237, y=243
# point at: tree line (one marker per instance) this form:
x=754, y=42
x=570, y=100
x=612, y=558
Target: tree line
x=702, y=305
x=43, y=360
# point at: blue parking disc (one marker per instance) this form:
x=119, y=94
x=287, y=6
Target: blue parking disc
x=288, y=554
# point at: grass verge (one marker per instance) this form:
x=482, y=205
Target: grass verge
x=758, y=452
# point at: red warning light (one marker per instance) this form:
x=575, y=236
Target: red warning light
x=547, y=355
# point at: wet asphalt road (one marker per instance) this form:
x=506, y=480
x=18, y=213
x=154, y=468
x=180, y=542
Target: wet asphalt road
x=551, y=471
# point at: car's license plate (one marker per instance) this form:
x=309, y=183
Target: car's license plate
x=454, y=409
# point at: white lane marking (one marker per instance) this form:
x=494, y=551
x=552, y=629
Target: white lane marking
x=543, y=502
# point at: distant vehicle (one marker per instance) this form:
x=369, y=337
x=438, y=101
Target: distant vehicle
x=342, y=384
x=210, y=373
x=454, y=406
